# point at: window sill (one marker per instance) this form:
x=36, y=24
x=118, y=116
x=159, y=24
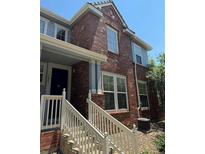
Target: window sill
x=112, y=52
x=144, y=108
x=113, y=112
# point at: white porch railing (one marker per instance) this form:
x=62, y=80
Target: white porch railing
x=50, y=111
x=97, y=136
x=118, y=134
x=86, y=137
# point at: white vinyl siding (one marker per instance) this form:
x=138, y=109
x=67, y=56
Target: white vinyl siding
x=139, y=55
x=115, y=91
x=112, y=40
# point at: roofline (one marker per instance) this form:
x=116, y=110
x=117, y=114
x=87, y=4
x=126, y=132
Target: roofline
x=115, y=7
x=55, y=16
x=71, y=49
x=84, y=9
x=137, y=39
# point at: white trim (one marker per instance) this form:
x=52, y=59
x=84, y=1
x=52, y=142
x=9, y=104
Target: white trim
x=84, y=9
x=115, y=76
x=148, y=107
x=44, y=73
x=107, y=4
x=116, y=33
x=55, y=16
x=46, y=24
x=146, y=46
x=71, y=49
x=49, y=76
x=61, y=27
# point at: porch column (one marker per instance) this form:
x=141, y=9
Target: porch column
x=95, y=77
x=99, y=78
x=92, y=77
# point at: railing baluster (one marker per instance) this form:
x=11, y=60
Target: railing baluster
x=51, y=120
x=48, y=110
x=56, y=111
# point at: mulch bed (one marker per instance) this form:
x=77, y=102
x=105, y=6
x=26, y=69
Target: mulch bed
x=146, y=140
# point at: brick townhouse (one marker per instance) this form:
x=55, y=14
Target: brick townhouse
x=94, y=54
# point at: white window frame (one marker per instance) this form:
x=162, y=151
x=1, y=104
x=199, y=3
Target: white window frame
x=46, y=24
x=144, y=108
x=66, y=31
x=44, y=72
x=144, y=63
x=115, y=31
x=55, y=30
x=115, y=76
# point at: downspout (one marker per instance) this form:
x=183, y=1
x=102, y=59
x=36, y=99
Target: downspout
x=138, y=97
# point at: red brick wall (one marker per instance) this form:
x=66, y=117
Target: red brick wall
x=90, y=32
x=50, y=140
x=80, y=86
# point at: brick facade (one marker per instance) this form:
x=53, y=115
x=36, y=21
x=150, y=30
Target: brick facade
x=50, y=141
x=90, y=32
x=80, y=86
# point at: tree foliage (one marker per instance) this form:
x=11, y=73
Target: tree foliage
x=156, y=75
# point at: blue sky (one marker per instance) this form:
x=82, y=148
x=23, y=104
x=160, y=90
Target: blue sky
x=145, y=17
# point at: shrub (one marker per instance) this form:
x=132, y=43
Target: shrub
x=145, y=152
x=160, y=142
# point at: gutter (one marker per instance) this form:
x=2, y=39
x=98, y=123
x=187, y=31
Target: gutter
x=146, y=46
x=87, y=7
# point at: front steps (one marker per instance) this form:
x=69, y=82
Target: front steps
x=69, y=146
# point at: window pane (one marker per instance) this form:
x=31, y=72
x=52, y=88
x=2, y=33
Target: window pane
x=109, y=101
x=122, y=101
x=121, y=85
x=112, y=40
x=142, y=88
x=60, y=34
x=144, y=101
x=108, y=83
x=42, y=24
x=50, y=29
x=139, y=60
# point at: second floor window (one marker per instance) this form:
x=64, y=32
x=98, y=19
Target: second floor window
x=54, y=30
x=139, y=55
x=112, y=40
x=60, y=34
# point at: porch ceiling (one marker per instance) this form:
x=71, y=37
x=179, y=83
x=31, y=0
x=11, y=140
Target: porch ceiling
x=68, y=49
x=48, y=56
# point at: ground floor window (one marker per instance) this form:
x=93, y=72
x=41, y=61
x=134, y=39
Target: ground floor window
x=115, y=91
x=143, y=94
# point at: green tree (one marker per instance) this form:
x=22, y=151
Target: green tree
x=156, y=75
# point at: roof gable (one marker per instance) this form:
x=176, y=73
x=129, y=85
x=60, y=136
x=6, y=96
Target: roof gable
x=101, y=4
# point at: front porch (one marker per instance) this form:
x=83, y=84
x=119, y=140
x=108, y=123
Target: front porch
x=64, y=65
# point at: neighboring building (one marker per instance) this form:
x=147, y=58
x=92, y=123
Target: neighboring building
x=94, y=52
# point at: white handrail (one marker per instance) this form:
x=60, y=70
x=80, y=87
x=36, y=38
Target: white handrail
x=120, y=136
x=87, y=138
x=50, y=111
